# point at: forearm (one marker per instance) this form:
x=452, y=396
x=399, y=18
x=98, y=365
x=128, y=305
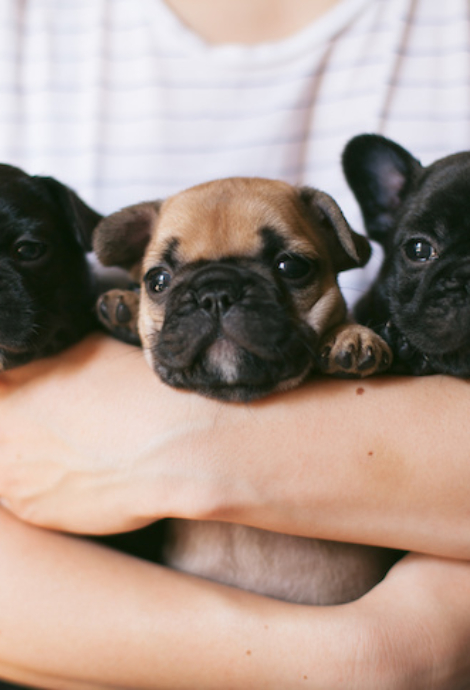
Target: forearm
x=382, y=461
x=76, y=616
x=92, y=441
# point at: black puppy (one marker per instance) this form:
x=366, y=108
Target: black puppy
x=420, y=302
x=47, y=290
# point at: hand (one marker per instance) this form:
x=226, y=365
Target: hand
x=88, y=439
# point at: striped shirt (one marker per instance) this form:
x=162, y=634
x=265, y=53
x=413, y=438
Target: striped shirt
x=123, y=102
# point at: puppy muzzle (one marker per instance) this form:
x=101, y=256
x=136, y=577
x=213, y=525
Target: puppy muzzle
x=17, y=312
x=231, y=333
x=436, y=318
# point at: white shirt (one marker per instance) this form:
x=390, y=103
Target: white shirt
x=120, y=100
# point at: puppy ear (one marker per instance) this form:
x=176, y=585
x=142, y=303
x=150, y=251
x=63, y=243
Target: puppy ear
x=80, y=217
x=381, y=174
x=347, y=248
x=121, y=238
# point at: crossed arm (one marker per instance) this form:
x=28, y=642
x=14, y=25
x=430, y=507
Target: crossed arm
x=92, y=442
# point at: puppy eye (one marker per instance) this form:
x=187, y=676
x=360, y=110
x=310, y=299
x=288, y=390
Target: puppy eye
x=295, y=268
x=420, y=251
x=29, y=251
x=157, y=280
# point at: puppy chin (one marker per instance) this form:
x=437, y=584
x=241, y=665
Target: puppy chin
x=16, y=345
x=226, y=372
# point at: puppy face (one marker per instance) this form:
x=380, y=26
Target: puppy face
x=238, y=282
x=46, y=291
x=420, y=216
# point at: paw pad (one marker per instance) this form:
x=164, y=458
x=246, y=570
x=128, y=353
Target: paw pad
x=354, y=350
x=118, y=311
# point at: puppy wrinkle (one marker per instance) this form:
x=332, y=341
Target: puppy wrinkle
x=170, y=253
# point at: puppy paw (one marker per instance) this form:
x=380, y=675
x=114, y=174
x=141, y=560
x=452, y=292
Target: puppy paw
x=354, y=350
x=118, y=311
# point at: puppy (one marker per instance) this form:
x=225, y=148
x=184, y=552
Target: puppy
x=238, y=298
x=420, y=302
x=239, y=287
x=47, y=291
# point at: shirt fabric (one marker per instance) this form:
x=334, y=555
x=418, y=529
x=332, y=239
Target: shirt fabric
x=123, y=102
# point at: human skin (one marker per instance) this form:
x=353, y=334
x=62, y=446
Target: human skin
x=91, y=441
x=76, y=616
x=66, y=462
x=248, y=21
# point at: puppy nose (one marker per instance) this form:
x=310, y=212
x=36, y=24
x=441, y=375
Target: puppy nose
x=216, y=300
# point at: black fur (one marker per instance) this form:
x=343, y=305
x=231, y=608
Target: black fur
x=420, y=302
x=47, y=291
x=234, y=298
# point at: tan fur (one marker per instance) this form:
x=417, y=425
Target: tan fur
x=221, y=218
x=229, y=210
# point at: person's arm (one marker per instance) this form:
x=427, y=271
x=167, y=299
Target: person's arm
x=91, y=441
x=77, y=616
